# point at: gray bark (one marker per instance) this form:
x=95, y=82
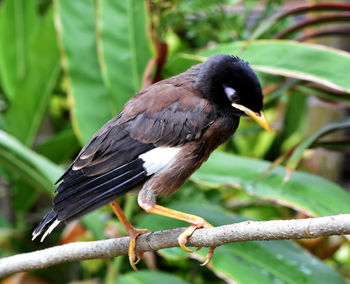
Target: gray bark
x=244, y=231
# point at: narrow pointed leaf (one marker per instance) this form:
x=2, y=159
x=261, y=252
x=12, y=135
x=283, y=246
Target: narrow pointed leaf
x=341, y=144
x=269, y=22
x=295, y=158
x=328, y=96
x=341, y=17
x=19, y=160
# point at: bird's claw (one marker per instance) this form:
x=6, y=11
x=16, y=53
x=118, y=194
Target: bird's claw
x=209, y=256
x=182, y=240
x=132, y=244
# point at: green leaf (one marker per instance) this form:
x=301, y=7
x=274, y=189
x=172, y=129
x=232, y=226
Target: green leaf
x=59, y=147
x=277, y=17
x=270, y=262
x=295, y=158
x=247, y=262
x=23, y=196
x=328, y=96
x=89, y=98
x=19, y=160
x=123, y=51
x=149, y=277
x=6, y=231
x=211, y=213
x=19, y=22
x=304, y=61
x=293, y=123
x=311, y=194
x=31, y=95
x=341, y=144
x=94, y=223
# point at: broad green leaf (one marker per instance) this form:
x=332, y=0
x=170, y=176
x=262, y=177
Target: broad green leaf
x=149, y=277
x=19, y=22
x=247, y=262
x=19, y=160
x=311, y=194
x=304, y=61
x=32, y=94
x=270, y=262
x=123, y=51
x=294, y=160
x=311, y=62
x=89, y=98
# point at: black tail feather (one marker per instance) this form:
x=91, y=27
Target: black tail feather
x=78, y=194
x=49, y=218
x=83, y=200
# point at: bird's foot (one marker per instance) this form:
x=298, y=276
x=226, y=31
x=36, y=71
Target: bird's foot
x=182, y=240
x=133, y=257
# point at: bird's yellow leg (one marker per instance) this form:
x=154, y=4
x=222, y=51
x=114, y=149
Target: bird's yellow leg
x=196, y=221
x=133, y=233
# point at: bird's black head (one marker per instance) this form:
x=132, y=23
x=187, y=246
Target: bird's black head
x=230, y=84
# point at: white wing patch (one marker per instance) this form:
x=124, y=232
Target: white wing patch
x=158, y=158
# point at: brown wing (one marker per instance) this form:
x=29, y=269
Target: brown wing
x=163, y=115
x=108, y=165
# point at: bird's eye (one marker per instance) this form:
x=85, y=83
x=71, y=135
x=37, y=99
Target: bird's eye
x=231, y=93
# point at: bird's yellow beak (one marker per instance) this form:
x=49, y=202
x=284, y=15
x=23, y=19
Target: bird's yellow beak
x=258, y=117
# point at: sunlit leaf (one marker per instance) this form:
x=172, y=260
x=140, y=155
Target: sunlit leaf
x=19, y=22
x=123, y=51
x=310, y=194
x=309, y=62
x=304, y=61
x=31, y=96
x=90, y=101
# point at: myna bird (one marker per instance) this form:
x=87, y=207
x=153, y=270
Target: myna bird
x=161, y=136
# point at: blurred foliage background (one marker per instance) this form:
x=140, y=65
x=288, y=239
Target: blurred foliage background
x=67, y=67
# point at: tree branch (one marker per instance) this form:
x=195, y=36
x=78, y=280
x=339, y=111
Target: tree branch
x=245, y=231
